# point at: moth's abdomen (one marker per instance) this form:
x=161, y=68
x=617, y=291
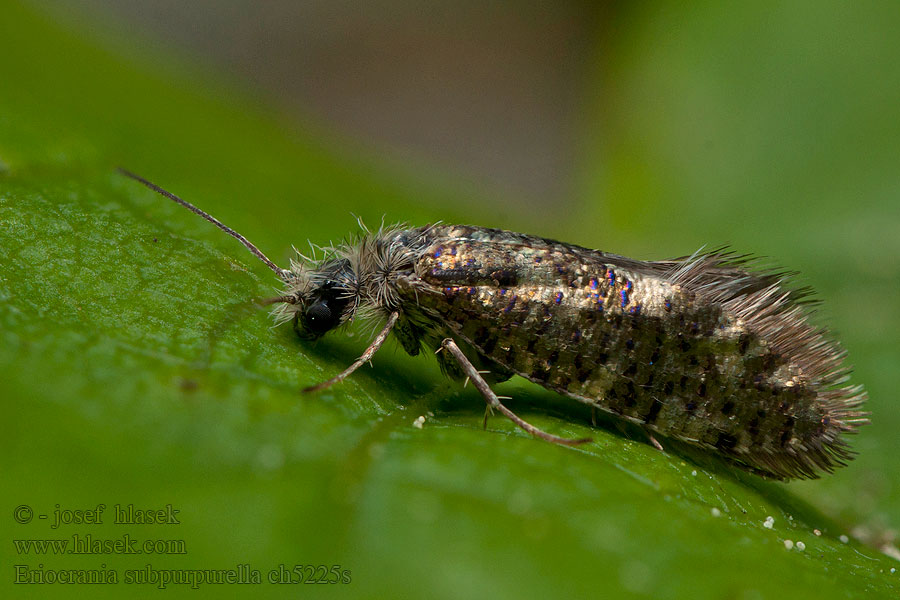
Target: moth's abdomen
x=637, y=346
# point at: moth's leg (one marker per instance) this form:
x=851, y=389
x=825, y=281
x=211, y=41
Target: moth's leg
x=406, y=334
x=494, y=402
x=492, y=372
x=366, y=356
x=653, y=440
x=488, y=412
x=628, y=431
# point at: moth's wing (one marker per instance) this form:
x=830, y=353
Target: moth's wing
x=724, y=275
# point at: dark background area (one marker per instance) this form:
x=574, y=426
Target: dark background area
x=491, y=91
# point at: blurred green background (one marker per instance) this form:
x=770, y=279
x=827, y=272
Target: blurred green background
x=644, y=130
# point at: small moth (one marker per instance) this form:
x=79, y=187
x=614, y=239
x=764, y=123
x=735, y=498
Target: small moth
x=703, y=349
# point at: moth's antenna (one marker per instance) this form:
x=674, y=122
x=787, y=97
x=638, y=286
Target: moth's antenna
x=283, y=273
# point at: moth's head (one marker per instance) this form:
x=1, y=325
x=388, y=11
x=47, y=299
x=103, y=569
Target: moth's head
x=319, y=298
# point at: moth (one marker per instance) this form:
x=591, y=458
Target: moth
x=706, y=349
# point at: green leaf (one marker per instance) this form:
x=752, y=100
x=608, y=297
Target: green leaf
x=133, y=373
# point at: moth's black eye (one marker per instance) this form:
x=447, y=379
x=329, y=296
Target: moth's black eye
x=319, y=318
